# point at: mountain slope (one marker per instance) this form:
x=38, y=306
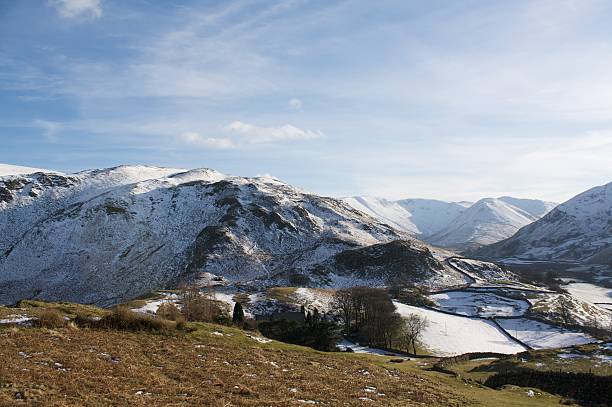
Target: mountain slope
x=105, y=236
x=577, y=230
x=420, y=217
x=534, y=207
x=389, y=212
x=431, y=215
x=7, y=169
x=456, y=225
x=487, y=221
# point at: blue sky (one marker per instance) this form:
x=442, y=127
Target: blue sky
x=439, y=99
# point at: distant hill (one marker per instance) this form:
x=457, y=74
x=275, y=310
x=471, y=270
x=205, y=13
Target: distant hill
x=456, y=225
x=577, y=230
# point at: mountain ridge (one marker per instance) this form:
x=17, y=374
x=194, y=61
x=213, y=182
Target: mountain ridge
x=104, y=236
x=579, y=229
x=455, y=225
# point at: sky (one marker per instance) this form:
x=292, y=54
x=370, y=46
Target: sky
x=452, y=100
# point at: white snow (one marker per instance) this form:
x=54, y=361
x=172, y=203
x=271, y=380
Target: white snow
x=454, y=335
x=417, y=216
x=590, y=292
x=344, y=344
x=151, y=306
x=487, y=221
x=15, y=319
x=479, y=304
x=539, y=335
x=577, y=231
x=7, y=169
x=388, y=212
x=314, y=298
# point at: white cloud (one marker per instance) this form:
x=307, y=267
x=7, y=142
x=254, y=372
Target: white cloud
x=50, y=129
x=78, y=8
x=256, y=134
x=197, y=140
x=295, y=103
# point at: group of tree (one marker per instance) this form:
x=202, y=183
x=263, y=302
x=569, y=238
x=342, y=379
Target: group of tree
x=314, y=331
x=368, y=314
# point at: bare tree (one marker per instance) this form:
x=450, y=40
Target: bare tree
x=412, y=331
x=369, y=313
x=344, y=304
x=200, y=305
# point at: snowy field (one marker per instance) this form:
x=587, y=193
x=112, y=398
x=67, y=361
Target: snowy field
x=454, y=335
x=539, y=335
x=479, y=304
x=344, y=344
x=590, y=293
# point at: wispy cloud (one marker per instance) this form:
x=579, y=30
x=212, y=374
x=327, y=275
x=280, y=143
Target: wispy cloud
x=49, y=129
x=493, y=96
x=251, y=133
x=78, y=8
x=197, y=140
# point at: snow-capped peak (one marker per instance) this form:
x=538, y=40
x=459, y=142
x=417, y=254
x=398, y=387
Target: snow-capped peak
x=577, y=230
x=8, y=169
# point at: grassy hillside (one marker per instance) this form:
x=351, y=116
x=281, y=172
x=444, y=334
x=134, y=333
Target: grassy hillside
x=213, y=365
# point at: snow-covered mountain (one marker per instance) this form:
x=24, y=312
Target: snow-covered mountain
x=577, y=230
x=7, y=169
x=487, y=221
x=456, y=225
x=431, y=215
x=420, y=217
x=104, y=236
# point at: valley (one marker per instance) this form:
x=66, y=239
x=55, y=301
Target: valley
x=150, y=238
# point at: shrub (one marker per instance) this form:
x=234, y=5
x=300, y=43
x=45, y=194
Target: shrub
x=168, y=310
x=202, y=309
x=122, y=318
x=51, y=318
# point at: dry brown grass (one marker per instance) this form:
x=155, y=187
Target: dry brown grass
x=50, y=318
x=169, y=311
x=122, y=318
x=101, y=367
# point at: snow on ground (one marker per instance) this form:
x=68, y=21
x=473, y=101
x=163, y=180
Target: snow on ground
x=364, y=349
x=482, y=271
x=314, y=298
x=151, y=306
x=590, y=292
x=454, y=335
x=15, y=319
x=479, y=304
x=539, y=335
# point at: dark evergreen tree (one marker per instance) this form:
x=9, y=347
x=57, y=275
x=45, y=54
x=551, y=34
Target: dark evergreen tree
x=238, y=315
